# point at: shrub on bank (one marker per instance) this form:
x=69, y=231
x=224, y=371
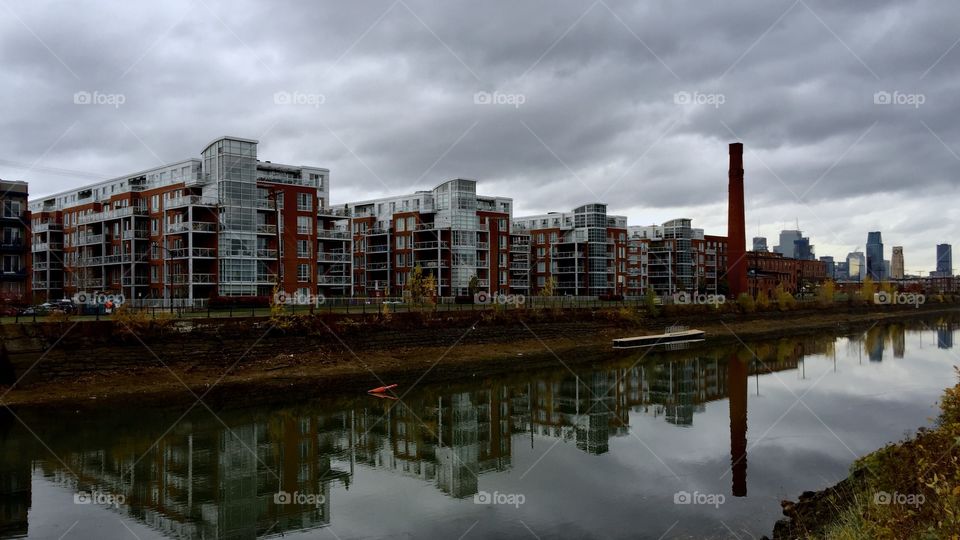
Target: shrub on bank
x=746, y=303
x=785, y=300
x=128, y=320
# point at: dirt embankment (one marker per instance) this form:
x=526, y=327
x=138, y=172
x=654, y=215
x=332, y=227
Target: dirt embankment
x=219, y=361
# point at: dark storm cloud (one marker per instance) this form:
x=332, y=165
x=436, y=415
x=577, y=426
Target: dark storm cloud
x=599, y=118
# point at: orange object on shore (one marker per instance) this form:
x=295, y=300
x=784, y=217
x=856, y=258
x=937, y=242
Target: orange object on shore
x=381, y=389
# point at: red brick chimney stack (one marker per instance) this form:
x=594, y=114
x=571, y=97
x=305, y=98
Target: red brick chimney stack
x=736, y=226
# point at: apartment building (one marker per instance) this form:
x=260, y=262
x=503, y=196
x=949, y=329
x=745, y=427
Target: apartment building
x=224, y=225
x=450, y=232
x=675, y=257
x=584, y=252
x=15, y=233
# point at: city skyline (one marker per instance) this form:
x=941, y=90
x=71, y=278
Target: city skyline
x=521, y=111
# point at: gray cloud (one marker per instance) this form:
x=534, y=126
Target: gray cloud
x=599, y=120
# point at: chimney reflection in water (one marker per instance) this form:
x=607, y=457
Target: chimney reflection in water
x=737, y=387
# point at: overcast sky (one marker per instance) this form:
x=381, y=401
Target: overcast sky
x=628, y=103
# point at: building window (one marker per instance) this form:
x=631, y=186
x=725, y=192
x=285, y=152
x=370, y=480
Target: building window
x=304, y=225
x=304, y=202
x=12, y=209
x=303, y=249
x=303, y=272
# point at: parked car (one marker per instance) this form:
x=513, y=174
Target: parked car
x=65, y=305
x=34, y=310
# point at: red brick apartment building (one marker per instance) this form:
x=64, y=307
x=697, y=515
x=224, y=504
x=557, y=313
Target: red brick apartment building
x=225, y=225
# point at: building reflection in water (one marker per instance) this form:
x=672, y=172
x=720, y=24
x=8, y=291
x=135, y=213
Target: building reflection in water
x=945, y=331
x=204, y=480
x=15, y=493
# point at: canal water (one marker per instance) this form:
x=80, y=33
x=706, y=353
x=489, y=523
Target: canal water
x=697, y=443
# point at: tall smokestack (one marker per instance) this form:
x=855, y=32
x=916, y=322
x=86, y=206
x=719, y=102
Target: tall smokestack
x=736, y=225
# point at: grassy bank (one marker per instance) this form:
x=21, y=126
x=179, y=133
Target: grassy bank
x=909, y=489
x=341, y=355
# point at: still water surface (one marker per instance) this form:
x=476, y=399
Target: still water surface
x=679, y=444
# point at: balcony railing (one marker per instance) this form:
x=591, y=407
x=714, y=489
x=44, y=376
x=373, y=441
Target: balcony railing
x=195, y=226
x=47, y=246
x=9, y=243
x=127, y=281
x=323, y=256
x=332, y=234
x=431, y=245
x=196, y=279
x=136, y=234
x=111, y=214
x=378, y=266
x=47, y=226
x=266, y=254
x=337, y=212
x=111, y=259
x=43, y=284
x=263, y=228
x=333, y=280
x=190, y=200
x=86, y=240
x=184, y=253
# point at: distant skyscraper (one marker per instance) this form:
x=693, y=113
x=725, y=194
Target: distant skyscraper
x=760, y=243
x=831, y=267
x=794, y=245
x=856, y=266
x=842, y=271
x=875, y=256
x=896, y=263
x=944, y=260
x=803, y=250
x=788, y=243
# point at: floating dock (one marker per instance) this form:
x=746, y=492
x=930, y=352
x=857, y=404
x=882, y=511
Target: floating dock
x=685, y=336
